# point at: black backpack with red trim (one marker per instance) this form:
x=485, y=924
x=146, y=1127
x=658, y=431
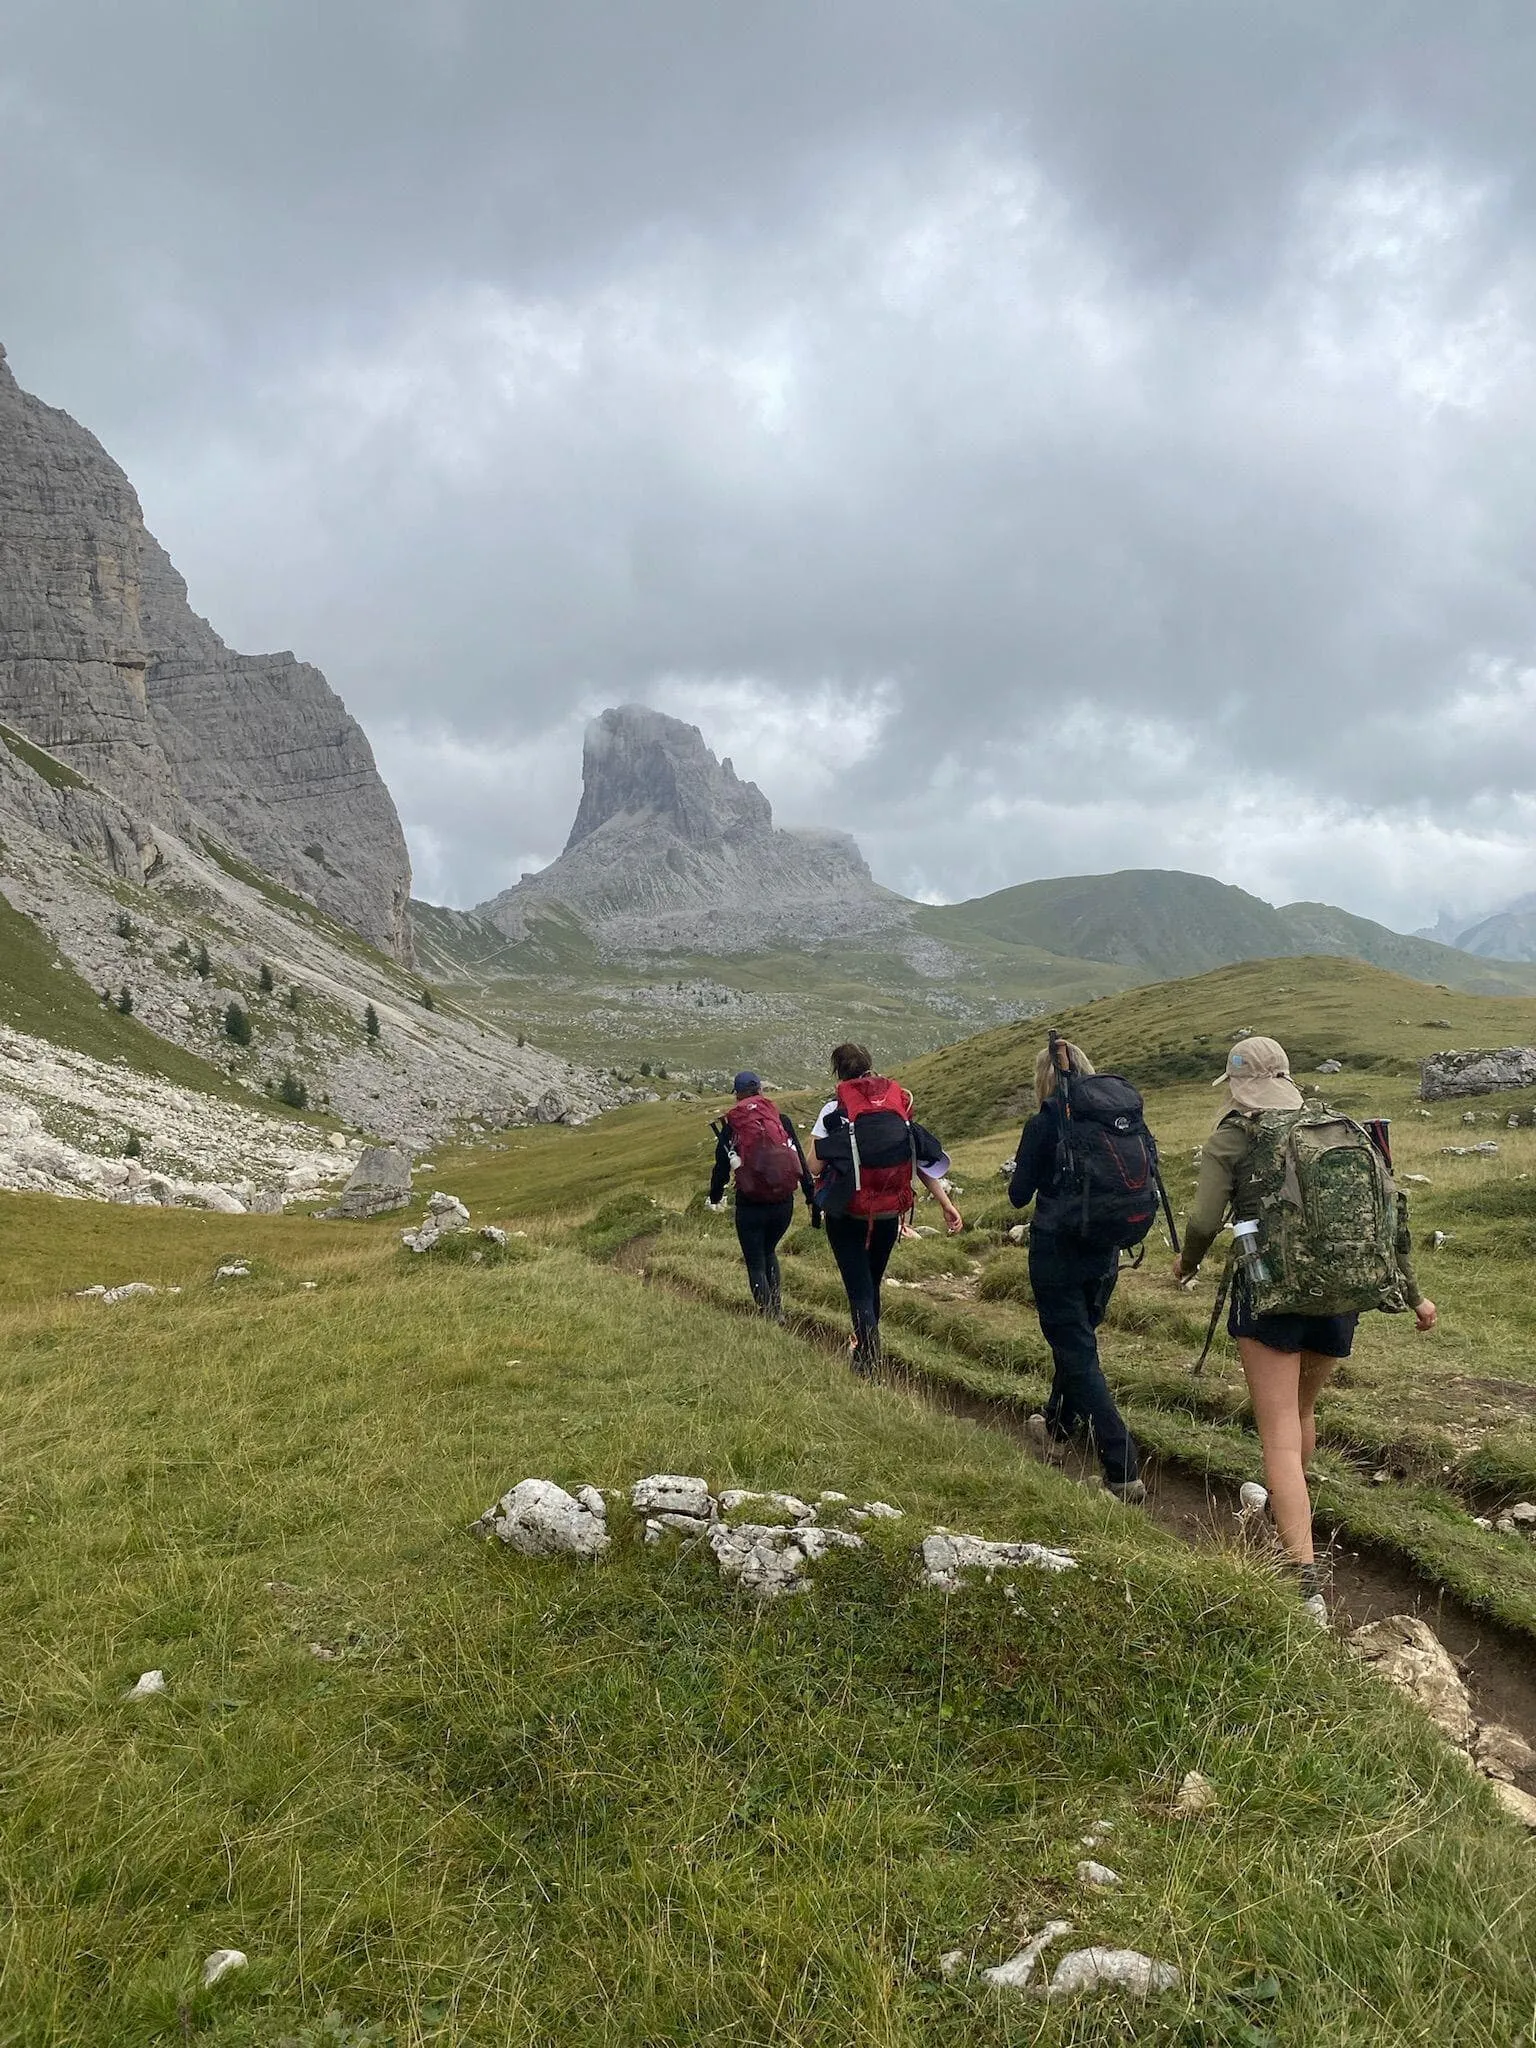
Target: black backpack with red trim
x=1107, y=1195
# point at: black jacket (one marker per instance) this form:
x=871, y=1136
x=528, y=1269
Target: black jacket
x=1037, y=1169
x=722, y=1168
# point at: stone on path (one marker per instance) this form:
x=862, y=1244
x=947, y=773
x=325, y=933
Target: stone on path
x=1409, y=1655
x=1097, y=1873
x=539, y=1519
x=146, y=1687
x=381, y=1180
x=1501, y=1752
x=1518, y=1805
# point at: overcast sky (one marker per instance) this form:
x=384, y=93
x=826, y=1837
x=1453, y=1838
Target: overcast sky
x=1039, y=435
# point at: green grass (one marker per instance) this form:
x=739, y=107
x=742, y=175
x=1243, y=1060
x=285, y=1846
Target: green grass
x=526, y=1801
x=41, y=993
x=56, y=773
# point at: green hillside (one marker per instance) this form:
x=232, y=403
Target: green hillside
x=1319, y=1009
x=442, y=1794
x=1158, y=924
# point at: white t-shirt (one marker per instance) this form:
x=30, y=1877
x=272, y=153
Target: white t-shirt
x=819, y=1128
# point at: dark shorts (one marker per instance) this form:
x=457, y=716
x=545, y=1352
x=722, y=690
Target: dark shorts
x=1327, y=1336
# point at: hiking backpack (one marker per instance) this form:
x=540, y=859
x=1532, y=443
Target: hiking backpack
x=1328, y=1215
x=1109, y=1187
x=879, y=1115
x=767, y=1164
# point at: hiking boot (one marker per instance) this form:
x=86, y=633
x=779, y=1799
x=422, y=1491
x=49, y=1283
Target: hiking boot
x=1046, y=1447
x=864, y=1354
x=1131, y=1493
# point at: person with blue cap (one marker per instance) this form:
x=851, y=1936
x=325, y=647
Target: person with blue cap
x=756, y=1141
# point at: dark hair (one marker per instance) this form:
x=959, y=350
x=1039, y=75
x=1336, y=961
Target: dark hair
x=850, y=1062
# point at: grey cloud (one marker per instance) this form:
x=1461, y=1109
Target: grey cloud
x=1163, y=361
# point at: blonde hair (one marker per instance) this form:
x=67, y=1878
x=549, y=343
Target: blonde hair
x=1078, y=1062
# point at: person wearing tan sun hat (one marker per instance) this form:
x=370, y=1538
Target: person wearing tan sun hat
x=1287, y=1359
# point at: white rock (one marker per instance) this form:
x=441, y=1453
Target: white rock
x=449, y=1212
x=539, y=1519
x=1018, y=1232
x=233, y=1273
x=1418, y=1180
x=90, y=1293
x=492, y=1234
x=1015, y=1974
x=220, y=1963
x=788, y=1503
x=1091, y=1969
x=129, y=1291
x=146, y=1687
x=1518, y=1805
x=672, y=1493
x=830, y=1499
x=1501, y=1752
x=951, y=1963
x=882, y=1511
x=1196, y=1794
x=337, y=1142
x=768, y=1560
x=946, y=1557
x=1523, y=1513
x=1097, y=1873
x=1409, y=1655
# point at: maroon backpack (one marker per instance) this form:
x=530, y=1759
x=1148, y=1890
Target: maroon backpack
x=768, y=1166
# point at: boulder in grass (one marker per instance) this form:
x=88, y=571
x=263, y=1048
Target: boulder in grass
x=381, y=1181
x=537, y=1518
x=946, y=1558
x=1449, y=1074
x=1123, y=1969
x=1408, y=1654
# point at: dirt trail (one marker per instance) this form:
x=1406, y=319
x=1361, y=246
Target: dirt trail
x=1498, y=1664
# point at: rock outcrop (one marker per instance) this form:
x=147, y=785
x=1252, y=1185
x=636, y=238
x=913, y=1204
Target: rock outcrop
x=104, y=664
x=672, y=851
x=1449, y=1074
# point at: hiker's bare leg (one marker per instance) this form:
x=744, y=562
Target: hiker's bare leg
x=1316, y=1372
x=1274, y=1387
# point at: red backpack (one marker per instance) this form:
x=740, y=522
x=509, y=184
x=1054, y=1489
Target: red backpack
x=767, y=1164
x=879, y=1117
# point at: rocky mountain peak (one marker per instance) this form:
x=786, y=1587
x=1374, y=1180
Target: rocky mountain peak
x=672, y=851
x=105, y=665
x=637, y=763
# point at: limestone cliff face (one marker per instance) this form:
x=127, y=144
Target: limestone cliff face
x=672, y=851
x=103, y=662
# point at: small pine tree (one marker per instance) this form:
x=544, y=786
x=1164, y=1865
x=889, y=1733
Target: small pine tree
x=134, y=1149
x=202, y=963
x=428, y=1000
x=371, y=1021
x=264, y=980
x=181, y=950
x=293, y=997
x=125, y=1002
x=522, y=1038
x=292, y=1091
x=124, y=925
x=645, y=1069
x=237, y=1025
x=661, y=1073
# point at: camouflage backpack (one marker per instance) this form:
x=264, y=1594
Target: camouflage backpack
x=1328, y=1215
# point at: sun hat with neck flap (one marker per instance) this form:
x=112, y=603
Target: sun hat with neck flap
x=1258, y=1076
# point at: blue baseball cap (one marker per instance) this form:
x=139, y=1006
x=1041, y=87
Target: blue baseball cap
x=747, y=1083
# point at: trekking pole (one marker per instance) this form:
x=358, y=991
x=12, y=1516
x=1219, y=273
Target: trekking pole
x=1173, y=1228
x=1061, y=1060
x=1216, y=1308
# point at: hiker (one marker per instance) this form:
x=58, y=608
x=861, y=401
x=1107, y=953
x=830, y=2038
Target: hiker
x=1348, y=1249
x=756, y=1140
x=866, y=1149
x=1075, y=1241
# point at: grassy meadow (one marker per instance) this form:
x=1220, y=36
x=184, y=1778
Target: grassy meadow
x=442, y=1794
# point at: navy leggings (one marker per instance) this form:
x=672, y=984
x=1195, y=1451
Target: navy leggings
x=862, y=1247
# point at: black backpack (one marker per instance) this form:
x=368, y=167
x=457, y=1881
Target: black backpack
x=1109, y=1189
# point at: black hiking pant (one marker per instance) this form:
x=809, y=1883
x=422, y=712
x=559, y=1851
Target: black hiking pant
x=759, y=1226
x=862, y=1247
x=1072, y=1285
